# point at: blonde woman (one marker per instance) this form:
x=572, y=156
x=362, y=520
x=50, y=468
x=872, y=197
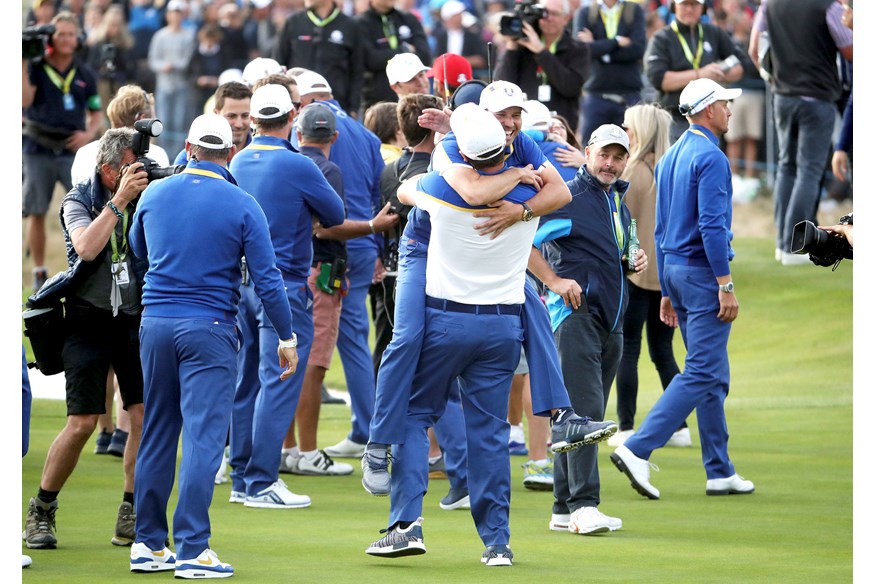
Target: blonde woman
x=648, y=127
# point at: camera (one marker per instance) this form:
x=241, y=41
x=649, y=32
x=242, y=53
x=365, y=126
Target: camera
x=34, y=40
x=728, y=63
x=824, y=249
x=147, y=129
x=529, y=11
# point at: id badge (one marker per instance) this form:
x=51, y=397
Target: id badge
x=544, y=93
x=120, y=273
x=69, y=104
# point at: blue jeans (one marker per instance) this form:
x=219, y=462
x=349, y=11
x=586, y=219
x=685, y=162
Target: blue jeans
x=804, y=128
x=264, y=406
x=705, y=381
x=189, y=368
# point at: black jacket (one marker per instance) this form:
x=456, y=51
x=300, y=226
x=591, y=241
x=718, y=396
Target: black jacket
x=334, y=51
x=566, y=72
x=377, y=50
x=613, y=68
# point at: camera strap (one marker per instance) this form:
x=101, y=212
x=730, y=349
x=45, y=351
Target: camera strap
x=693, y=60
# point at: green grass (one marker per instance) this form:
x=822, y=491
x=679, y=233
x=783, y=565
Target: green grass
x=790, y=420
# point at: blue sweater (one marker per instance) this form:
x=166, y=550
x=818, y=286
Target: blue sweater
x=290, y=189
x=694, y=204
x=193, y=228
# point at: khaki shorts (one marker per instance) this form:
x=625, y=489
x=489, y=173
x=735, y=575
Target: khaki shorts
x=326, y=320
x=747, y=116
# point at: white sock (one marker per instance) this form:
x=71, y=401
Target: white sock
x=541, y=462
x=434, y=459
x=290, y=451
x=310, y=454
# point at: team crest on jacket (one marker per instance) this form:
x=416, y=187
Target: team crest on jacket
x=336, y=37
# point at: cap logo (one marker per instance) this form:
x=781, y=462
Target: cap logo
x=509, y=91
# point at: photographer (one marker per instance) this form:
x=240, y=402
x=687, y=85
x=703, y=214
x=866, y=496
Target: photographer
x=62, y=113
x=546, y=61
x=101, y=324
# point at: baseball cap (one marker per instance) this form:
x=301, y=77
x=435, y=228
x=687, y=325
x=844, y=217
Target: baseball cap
x=536, y=116
x=317, y=120
x=458, y=69
x=403, y=67
x=609, y=134
x=479, y=134
x=451, y=8
x=177, y=6
x=310, y=82
x=701, y=93
x=500, y=95
x=231, y=75
x=210, y=125
x=270, y=101
x=260, y=67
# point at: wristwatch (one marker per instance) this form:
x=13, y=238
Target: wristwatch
x=728, y=287
x=527, y=212
x=290, y=344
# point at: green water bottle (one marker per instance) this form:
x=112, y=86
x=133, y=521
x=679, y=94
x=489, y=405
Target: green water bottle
x=633, y=248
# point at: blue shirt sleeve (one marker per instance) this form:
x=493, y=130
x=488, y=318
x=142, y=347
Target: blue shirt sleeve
x=321, y=197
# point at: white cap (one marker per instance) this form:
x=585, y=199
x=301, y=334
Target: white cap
x=177, y=5
x=404, y=67
x=310, y=82
x=207, y=125
x=261, y=3
x=451, y=8
x=270, y=101
x=231, y=75
x=500, y=95
x=479, y=134
x=260, y=67
x=701, y=93
x=536, y=116
x=609, y=134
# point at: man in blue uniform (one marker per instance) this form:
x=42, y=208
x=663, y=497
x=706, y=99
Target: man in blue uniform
x=198, y=224
x=474, y=331
x=357, y=152
x=292, y=192
x=694, y=215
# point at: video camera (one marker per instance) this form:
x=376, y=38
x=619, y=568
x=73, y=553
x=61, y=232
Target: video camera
x=529, y=11
x=147, y=129
x=34, y=40
x=824, y=249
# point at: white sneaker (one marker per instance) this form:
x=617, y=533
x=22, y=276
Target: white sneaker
x=277, y=496
x=559, y=522
x=289, y=460
x=779, y=254
x=590, y=521
x=206, y=565
x=237, y=497
x=145, y=560
x=619, y=438
x=346, y=448
x=638, y=470
x=680, y=439
x=321, y=465
x=222, y=473
x=735, y=485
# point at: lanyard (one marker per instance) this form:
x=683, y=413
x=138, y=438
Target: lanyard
x=539, y=71
x=389, y=31
x=618, y=226
x=120, y=257
x=611, y=19
x=322, y=22
x=695, y=61
x=207, y=173
x=62, y=84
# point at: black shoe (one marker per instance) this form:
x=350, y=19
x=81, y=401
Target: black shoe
x=574, y=431
x=328, y=398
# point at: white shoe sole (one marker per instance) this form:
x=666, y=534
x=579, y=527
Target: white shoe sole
x=464, y=503
x=412, y=548
x=639, y=488
x=593, y=530
x=592, y=438
x=200, y=574
x=719, y=492
x=152, y=567
x=267, y=505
